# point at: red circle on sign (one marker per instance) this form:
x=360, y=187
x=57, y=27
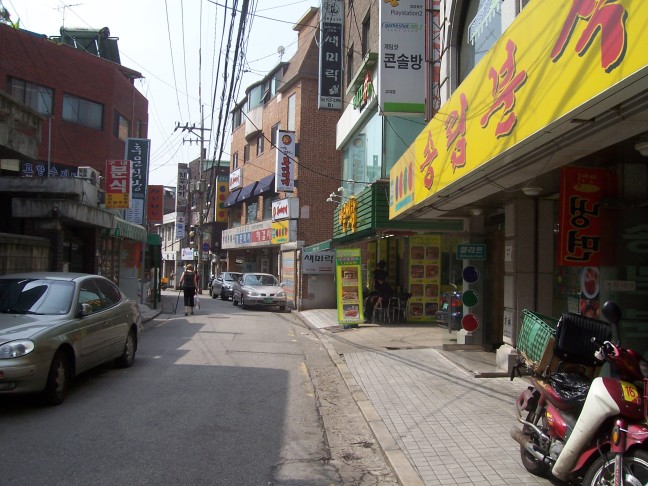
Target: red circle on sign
x=470, y=322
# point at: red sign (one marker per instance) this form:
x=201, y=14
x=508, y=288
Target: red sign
x=581, y=192
x=155, y=204
x=118, y=184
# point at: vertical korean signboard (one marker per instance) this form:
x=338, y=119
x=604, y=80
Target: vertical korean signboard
x=581, y=193
x=118, y=184
x=330, y=62
x=348, y=265
x=285, y=163
x=401, y=70
x=182, y=202
x=137, y=151
x=155, y=206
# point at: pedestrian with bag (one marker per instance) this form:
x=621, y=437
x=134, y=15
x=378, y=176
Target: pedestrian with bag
x=189, y=284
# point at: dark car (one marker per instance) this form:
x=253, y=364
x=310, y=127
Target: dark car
x=450, y=311
x=54, y=326
x=223, y=284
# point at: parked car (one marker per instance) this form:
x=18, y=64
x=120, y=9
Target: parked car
x=450, y=310
x=54, y=326
x=222, y=285
x=261, y=289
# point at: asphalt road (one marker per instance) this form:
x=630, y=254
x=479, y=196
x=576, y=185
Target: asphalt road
x=228, y=396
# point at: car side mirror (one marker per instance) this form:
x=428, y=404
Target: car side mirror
x=85, y=310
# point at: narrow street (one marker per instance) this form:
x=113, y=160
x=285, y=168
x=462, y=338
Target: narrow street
x=227, y=396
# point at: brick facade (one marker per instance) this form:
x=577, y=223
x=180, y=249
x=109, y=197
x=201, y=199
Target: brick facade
x=35, y=59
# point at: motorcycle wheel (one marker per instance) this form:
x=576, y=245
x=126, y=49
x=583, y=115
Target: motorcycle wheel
x=635, y=470
x=530, y=463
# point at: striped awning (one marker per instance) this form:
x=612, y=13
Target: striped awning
x=125, y=229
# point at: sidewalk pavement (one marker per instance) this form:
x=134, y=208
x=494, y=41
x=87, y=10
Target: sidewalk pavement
x=441, y=412
x=438, y=418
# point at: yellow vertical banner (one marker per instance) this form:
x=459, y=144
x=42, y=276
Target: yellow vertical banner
x=424, y=277
x=348, y=266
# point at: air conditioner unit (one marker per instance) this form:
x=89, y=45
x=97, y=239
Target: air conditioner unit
x=88, y=174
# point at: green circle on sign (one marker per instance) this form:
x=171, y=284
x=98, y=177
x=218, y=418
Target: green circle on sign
x=470, y=298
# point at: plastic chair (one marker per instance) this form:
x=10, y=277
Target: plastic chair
x=394, y=309
x=379, y=312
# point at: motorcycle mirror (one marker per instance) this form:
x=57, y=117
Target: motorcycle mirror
x=611, y=312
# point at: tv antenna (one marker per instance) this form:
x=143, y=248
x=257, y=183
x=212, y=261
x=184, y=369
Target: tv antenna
x=63, y=7
x=281, y=50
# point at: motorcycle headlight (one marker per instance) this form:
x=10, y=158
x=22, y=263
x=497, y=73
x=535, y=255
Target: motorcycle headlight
x=16, y=349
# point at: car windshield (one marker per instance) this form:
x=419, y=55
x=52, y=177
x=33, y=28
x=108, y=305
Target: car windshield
x=230, y=277
x=30, y=296
x=259, y=280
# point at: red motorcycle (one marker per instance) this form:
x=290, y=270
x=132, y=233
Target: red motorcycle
x=594, y=431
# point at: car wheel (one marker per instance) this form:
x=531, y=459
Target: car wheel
x=58, y=380
x=282, y=308
x=223, y=296
x=128, y=356
x=213, y=294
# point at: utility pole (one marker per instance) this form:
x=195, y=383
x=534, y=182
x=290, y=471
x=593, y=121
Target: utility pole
x=197, y=189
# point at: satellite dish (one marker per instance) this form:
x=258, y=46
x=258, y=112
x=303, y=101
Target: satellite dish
x=281, y=51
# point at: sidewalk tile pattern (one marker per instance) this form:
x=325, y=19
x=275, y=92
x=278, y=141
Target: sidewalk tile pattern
x=453, y=428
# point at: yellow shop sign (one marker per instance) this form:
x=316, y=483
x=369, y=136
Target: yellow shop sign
x=348, y=215
x=556, y=60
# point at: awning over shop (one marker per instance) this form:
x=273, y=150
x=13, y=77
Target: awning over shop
x=264, y=185
x=230, y=200
x=124, y=229
x=154, y=239
x=246, y=192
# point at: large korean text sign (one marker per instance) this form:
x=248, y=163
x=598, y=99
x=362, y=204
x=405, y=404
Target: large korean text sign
x=285, y=163
x=330, y=62
x=118, y=184
x=402, y=53
x=555, y=60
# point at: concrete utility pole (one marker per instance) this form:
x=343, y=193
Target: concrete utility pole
x=198, y=188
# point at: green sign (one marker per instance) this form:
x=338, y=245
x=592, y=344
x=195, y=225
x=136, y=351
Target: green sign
x=471, y=252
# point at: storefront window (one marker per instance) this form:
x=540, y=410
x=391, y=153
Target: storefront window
x=251, y=212
x=482, y=26
x=363, y=156
x=400, y=133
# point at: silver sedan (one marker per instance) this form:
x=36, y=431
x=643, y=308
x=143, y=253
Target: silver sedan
x=259, y=289
x=54, y=326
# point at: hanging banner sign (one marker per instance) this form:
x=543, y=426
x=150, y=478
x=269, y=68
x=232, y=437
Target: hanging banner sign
x=155, y=207
x=118, y=184
x=330, y=61
x=285, y=164
x=581, y=193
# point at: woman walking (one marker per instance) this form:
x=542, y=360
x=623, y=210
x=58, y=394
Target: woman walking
x=189, y=283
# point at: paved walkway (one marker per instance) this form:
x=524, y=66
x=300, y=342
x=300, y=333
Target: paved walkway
x=428, y=405
x=437, y=419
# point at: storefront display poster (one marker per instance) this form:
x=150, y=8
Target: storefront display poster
x=348, y=264
x=424, y=277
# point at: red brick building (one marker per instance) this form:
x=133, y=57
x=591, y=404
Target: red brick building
x=90, y=102
x=285, y=99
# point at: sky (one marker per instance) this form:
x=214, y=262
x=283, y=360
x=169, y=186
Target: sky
x=175, y=45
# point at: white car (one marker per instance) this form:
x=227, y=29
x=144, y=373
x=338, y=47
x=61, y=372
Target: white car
x=223, y=285
x=259, y=289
